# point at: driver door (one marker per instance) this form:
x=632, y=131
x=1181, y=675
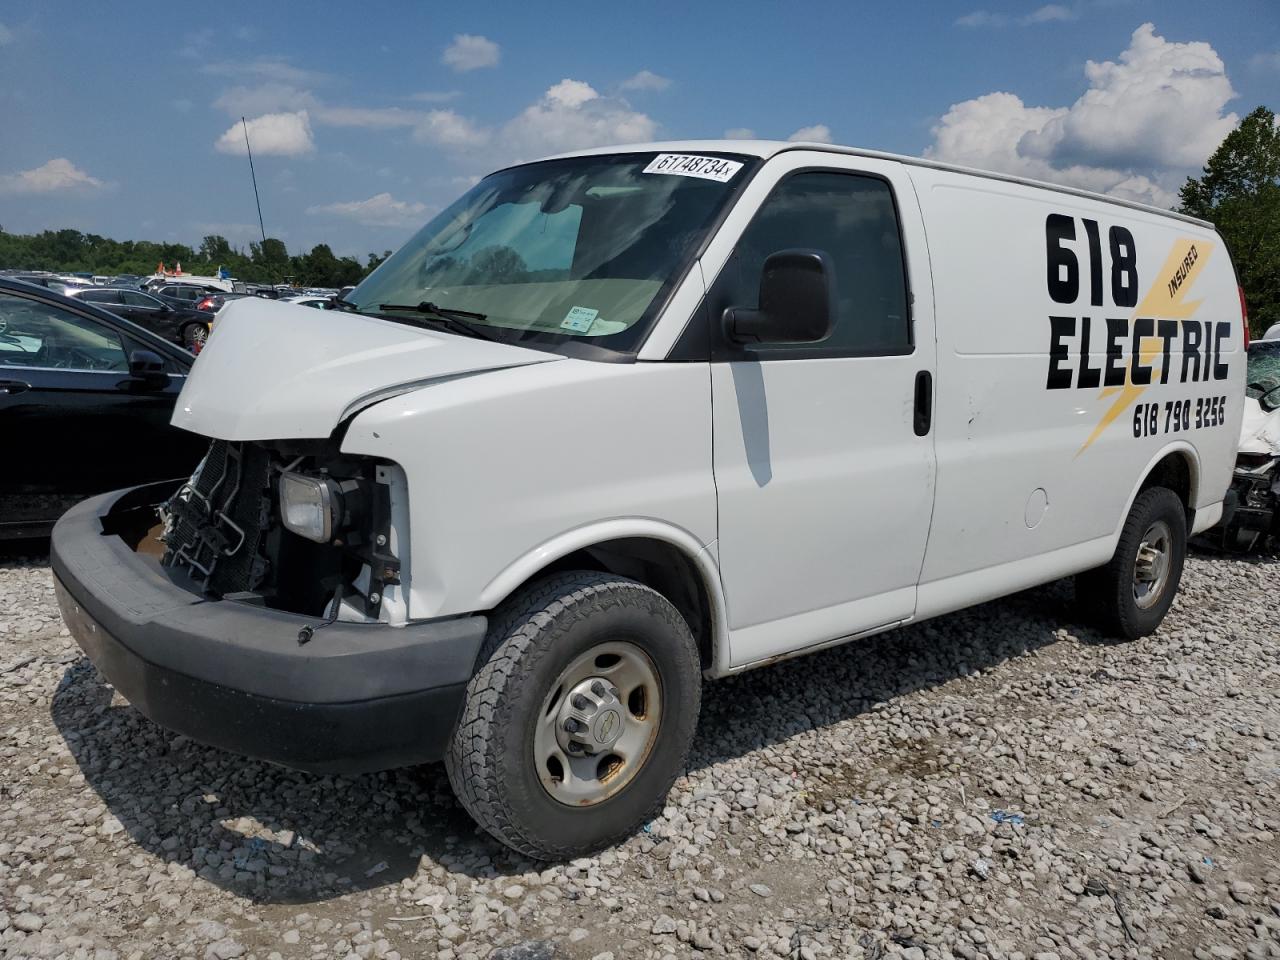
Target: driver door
x=824, y=461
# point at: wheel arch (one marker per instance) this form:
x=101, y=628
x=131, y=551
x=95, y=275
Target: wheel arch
x=1177, y=468
x=662, y=556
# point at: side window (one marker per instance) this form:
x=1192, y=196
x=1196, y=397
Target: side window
x=101, y=296
x=851, y=219
x=36, y=334
x=132, y=299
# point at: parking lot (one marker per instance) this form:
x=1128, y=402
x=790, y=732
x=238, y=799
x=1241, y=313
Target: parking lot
x=996, y=783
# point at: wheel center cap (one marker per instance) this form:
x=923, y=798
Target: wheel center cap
x=591, y=718
x=608, y=728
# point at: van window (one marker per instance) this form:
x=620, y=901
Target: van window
x=852, y=219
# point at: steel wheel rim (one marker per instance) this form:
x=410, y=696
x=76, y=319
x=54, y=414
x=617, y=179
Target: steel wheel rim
x=597, y=724
x=1151, y=564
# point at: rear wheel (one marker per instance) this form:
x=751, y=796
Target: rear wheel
x=580, y=717
x=1131, y=595
x=194, y=336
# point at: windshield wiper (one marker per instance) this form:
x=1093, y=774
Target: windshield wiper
x=456, y=320
x=345, y=305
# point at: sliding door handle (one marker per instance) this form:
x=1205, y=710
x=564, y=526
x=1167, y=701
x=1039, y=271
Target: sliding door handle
x=924, y=402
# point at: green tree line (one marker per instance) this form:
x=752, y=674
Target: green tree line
x=1239, y=192
x=68, y=251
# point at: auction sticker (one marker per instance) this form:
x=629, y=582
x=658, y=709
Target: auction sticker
x=688, y=165
x=579, y=319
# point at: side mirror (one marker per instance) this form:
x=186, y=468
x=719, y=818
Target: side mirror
x=797, y=301
x=1270, y=400
x=146, y=368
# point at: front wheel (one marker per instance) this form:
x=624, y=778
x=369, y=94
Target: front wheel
x=580, y=717
x=1131, y=595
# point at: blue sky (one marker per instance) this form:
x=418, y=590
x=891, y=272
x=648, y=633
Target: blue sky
x=366, y=118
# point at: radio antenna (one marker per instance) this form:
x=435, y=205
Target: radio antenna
x=255, y=183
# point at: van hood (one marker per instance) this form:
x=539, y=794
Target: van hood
x=279, y=371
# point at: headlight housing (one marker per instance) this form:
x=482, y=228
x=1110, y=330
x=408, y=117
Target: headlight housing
x=311, y=507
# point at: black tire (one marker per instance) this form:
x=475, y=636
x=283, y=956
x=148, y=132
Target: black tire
x=532, y=637
x=1107, y=593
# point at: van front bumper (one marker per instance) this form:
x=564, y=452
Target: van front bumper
x=356, y=697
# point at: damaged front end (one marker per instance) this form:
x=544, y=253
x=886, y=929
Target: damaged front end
x=294, y=526
x=1251, y=509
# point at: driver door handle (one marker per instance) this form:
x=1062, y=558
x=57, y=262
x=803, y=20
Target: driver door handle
x=924, y=403
x=10, y=387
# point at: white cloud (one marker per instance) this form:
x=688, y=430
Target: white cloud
x=435, y=96
x=982, y=18
x=1265, y=61
x=818, y=133
x=646, y=80
x=1049, y=13
x=58, y=174
x=381, y=210
x=571, y=93
x=571, y=115
x=195, y=42
x=739, y=133
x=273, y=134
x=471, y=52
x=269, y=97
x=268, y=69
x=449, y=129
x=6, y=35
x=372, y=118
x=1142, y=124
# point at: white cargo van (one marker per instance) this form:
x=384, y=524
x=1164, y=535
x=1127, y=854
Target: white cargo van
x=619, y=421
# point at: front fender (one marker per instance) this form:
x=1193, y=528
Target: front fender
x=701, y=555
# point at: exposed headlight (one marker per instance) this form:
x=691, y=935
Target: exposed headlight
x=310, y=506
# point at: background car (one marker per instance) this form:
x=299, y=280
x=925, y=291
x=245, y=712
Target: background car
x=319, y=303
x=185, y=291
x=213, y=302
x=47, y=280
x=176, y=320
x=85, y=402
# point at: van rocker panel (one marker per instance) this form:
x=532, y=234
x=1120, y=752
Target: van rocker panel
x=356, y=697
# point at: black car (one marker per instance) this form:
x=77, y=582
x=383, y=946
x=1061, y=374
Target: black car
x=85, y=403
x=56, y=284
x=176, y=320
x=185, y=291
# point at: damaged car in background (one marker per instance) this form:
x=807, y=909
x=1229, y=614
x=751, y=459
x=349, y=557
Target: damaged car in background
x=1251, y=512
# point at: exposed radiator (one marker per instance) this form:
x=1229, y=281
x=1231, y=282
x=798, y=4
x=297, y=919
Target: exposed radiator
x=215, y=523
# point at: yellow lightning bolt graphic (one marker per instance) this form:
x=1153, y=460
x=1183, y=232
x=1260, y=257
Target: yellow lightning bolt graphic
x=1158, y=304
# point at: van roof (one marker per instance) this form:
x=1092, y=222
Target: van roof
x=770, y=148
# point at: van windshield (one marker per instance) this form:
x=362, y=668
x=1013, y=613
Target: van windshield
x=575, y=255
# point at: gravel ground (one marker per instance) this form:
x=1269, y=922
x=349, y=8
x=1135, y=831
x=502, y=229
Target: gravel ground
x=996, y=783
